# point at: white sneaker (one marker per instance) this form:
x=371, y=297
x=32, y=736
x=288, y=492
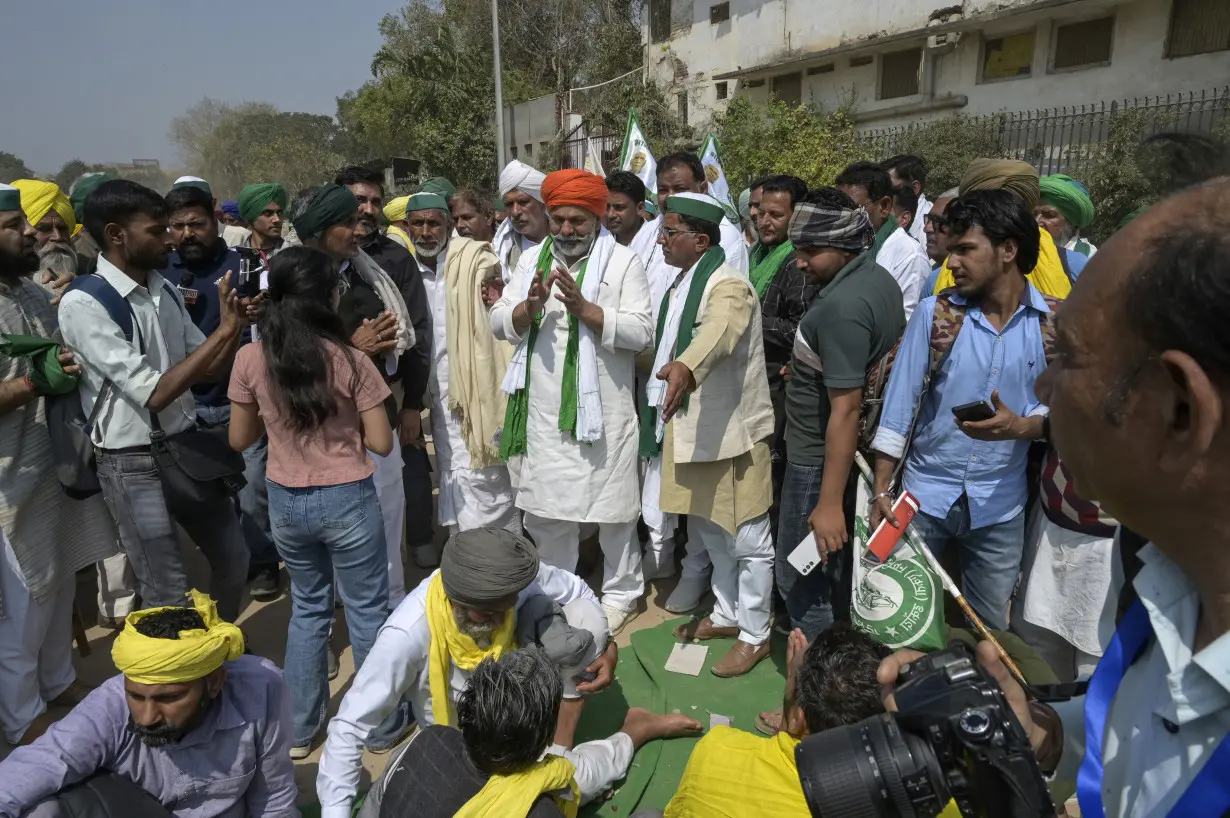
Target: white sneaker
x=300, y=753
x=427, y=556
x=617, y=619
x=686, y=596
x=659, y=564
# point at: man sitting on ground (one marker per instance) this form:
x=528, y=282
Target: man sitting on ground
x=192, y=722
x=431, y=644
x=502, y=760
x=733, y=774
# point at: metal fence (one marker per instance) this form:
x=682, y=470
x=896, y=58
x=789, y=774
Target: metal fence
x=575, y=144
x=1064, y=140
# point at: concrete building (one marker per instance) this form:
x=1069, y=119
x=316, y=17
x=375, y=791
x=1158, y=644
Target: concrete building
x=531, y=126
x=907, y=60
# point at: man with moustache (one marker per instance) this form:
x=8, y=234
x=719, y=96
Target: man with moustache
x=191, y=722
x=46, y=537
x=472, y=215
x=407, y=470
x=525, y=224
x=935, y=230
x=467, y=367
x=200, y=260
x=151, y=375
x=51, y=215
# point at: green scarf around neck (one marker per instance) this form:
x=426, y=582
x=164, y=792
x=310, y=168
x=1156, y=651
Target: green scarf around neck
x=705, y=268
x=883, y=234
x=765, y=265
x=513, y=441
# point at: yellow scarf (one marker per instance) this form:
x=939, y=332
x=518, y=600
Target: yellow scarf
x=512, y=796
x=733, y=774
x=1048, y=277
x=194, y=655
x=449, y=644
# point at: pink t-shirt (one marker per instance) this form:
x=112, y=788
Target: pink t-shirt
x=331, y=454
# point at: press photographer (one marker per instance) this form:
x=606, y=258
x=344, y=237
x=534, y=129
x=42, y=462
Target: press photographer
x=1138, y=401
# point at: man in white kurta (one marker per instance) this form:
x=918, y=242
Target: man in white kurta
x=525, y=223
x=486, y=576
x=587, y=474
x=467, y=366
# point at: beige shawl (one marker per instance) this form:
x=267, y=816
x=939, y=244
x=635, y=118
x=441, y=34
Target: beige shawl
x=476, y=360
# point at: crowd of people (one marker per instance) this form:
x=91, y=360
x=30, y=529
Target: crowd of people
x=690, y=385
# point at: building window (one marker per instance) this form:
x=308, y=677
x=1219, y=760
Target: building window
x=899, y=73
x=542, y=147
x=722, y=90
x=788, y=88
x=1005, y=58
x=682, y=102
x=513, y=148
x=1082, y=45
x=753, y=83
x=659, y=21
x=719, y=13
x=1198, y=27
x=859, y=62
x=529, y=150
x=827, y=68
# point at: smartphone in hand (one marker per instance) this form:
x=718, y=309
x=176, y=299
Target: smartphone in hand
x=973, y=412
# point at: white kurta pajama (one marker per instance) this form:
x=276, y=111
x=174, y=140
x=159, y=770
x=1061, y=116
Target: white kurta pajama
x=469, y=498
x=563, y=483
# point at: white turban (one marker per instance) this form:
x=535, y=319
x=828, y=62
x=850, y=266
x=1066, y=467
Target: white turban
x=520, y=176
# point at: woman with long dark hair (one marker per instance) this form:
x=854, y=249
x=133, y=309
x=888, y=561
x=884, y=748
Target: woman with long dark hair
x=321, y=403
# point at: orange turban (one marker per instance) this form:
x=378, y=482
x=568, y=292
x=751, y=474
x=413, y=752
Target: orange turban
x=575, y=187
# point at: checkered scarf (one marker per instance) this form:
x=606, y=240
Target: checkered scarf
x=818, y=226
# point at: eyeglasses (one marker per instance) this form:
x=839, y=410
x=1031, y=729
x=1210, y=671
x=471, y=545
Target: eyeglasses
x=669, y=233
x=938, y=223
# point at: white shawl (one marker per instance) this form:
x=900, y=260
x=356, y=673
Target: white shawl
x=655, y=389
x=390, y=296
x=589, y=401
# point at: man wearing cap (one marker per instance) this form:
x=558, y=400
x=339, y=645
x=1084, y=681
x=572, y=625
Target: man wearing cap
x=406, y=470
x=192, y=723
x=467, y=367
x=374, y=312
x=578, y=311
x=1065, y=210
x=87, y=249
x=525, y=223
x=45, y=536
x=467, y=611
x=707, y=426
x=51, y=215
x=395, y=215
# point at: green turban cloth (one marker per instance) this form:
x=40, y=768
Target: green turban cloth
x=1003, y=174
x=1132, y=215
x=440, y=185
x=1069, y=197
x=331, y=204
x=46, y=373
x=82, y=188
x=253, y=199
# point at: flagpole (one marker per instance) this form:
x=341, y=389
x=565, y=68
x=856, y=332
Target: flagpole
x=499, y=86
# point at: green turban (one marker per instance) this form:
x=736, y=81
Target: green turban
x=1069, y=197
x=253, y=199
x=1132, y=215
x=329, y=205
x=82, y=188
x=1003, y=174
x=440, y=185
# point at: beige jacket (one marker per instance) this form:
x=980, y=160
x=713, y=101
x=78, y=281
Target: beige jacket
x=730, y=410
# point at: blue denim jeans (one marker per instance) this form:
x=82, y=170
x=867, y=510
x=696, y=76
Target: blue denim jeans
x=322, y=532
x=809, y=599
x=254, y=497
x=990, y=557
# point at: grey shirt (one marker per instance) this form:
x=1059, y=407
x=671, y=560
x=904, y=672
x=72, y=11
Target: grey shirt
x=235, y=765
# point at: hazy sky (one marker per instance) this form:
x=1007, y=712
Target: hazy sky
x=102, y=79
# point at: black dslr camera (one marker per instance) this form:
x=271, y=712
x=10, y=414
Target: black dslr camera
x=954, y=736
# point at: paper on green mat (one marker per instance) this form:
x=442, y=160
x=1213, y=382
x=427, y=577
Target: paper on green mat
x=696, y=696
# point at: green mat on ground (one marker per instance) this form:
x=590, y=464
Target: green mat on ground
x=642, y=681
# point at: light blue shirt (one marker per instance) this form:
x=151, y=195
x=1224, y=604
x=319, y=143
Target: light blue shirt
x=943, y=462
x=1076, y=262
x=932, y=280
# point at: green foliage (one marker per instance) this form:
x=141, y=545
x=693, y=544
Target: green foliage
x=11, y=167
x=1113, y=174
x=233, y=146
x=782, y=138
x=74, y=169
x=948, y=145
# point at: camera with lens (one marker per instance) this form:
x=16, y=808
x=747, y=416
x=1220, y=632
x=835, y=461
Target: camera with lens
x=953, y=737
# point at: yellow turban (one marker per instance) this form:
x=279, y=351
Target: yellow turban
x=395, y=210
x=39, y=197
x=195, y=654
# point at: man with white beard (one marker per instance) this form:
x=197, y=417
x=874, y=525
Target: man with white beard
x=467, y=367
x=571, y=420
x=525, y=224
x=51, y=215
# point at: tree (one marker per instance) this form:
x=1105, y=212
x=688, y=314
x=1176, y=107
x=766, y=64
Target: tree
x=74, y=169
x=11, y=167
